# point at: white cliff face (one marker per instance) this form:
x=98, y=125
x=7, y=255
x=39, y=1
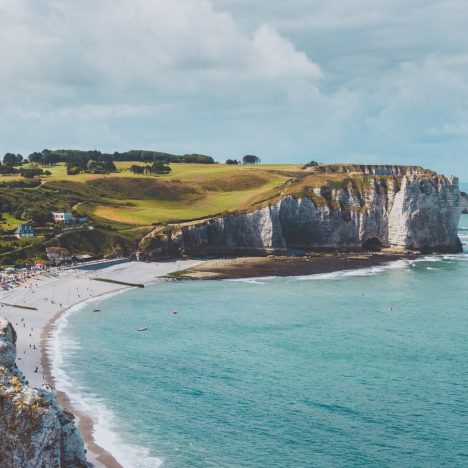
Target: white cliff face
x=35, y=431
x=422, y=214
x=425, y=214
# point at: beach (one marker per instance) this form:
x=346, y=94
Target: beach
x=46, y=296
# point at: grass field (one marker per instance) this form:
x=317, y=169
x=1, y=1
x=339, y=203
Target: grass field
x=189, y=192
x=184, y=172
x=144, y=212
x=9, y=222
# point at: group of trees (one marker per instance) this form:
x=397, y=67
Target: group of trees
x=97, y=164
x=157, y=167
x=26, y=172
x=11, y=159
x=77, y=158
x=247, y=159
x=156, y=156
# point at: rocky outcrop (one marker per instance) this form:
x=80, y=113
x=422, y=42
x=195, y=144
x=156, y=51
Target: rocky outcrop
x=412, y=212
x=465, y=203
x=35, y=431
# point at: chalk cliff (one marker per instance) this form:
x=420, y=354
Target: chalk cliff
x=374, y=208
x=35, y=431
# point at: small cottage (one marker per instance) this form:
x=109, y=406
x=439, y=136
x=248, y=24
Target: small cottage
x=24, y=230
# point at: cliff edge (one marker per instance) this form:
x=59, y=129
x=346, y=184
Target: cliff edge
x=397, y=207
x=35, y=431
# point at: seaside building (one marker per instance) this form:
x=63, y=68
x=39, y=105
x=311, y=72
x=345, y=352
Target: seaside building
x=66, y=217
x=58, y=255
x=63, y=217
x=24, y=230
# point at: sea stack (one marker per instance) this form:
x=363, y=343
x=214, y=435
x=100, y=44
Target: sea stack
x=34, y=429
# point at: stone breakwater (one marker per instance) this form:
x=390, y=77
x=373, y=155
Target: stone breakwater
x=411, y=212
x=34, y=429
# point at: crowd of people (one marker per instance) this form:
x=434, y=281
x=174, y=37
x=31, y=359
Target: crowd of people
x=11, y=278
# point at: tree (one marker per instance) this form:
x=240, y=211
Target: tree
x=36, y=157
x=251, y=159
x=232, y=161
x=30, y=173
x=11, y=159
x=137, y=169
x=160, y=168
x=8, y=170
x=92, y=166
x=73, y=170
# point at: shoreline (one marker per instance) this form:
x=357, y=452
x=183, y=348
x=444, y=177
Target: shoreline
x=85, y=423
x=52, y=296
x=148, y=273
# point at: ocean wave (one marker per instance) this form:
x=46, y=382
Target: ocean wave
x=106, y=424
x=259, y=280
x=368, y=271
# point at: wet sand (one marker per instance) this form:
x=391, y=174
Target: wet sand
x=254, y=267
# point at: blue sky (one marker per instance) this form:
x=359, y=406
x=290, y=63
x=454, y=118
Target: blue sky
x=336, y=81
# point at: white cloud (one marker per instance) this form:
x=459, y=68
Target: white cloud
x=291, y=81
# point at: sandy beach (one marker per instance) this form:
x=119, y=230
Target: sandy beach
x=52, y=294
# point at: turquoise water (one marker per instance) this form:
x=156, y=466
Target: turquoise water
x=347, y=369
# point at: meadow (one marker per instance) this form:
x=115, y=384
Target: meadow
x=190, y=191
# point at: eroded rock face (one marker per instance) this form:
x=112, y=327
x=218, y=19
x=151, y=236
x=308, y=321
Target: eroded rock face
x=416, y=211
x=35, y=431
x=7, y=343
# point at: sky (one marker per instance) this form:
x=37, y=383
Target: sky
x=367, y=81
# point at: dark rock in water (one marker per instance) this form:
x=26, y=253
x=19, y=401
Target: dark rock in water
x=35, y=431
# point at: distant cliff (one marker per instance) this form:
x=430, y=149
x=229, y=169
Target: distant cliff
x=346, y=208
x=34, y=430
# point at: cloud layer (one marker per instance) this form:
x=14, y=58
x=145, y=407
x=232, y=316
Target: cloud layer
x=291, y=81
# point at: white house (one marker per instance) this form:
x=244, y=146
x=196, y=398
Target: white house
x=63, y=217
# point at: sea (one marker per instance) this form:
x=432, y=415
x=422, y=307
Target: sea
x=357, y=368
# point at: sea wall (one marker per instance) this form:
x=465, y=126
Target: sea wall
x=413, y=212
x=35, y=431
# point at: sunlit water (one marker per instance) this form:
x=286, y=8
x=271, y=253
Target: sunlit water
x=358, y=368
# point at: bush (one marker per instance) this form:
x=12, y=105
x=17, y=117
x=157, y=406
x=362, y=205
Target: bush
x=73, y=170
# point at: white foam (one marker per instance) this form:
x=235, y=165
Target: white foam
x=368, y=271
x=258, y=280
x=106, y=424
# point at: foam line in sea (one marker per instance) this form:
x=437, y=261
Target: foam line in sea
x=106, y=424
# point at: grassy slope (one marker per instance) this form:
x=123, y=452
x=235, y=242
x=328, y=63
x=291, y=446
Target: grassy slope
x=191, y=191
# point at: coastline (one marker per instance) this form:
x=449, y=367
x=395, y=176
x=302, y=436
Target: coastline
x=52, y=297
x=72, y=283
